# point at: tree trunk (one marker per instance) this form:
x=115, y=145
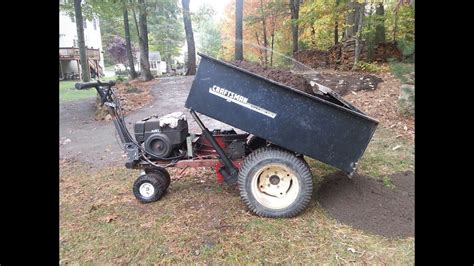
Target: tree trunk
x=295, y=9
x=350, y=20
x=81, y=42
x=133, y=74
x=168, y=63
x=239, y=50
x=260, y=55
x=395, y=26
x=336, y=24
x=265, y=41
x=188, y=28
x=360, y=16
x=380, y=24
x=313, y=35
x=143, y=42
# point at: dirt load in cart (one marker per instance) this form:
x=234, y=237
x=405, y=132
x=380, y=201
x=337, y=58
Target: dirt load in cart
x=267, y=162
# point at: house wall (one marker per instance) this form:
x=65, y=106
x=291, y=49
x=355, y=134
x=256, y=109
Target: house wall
x=68, y=33
x=155, y=67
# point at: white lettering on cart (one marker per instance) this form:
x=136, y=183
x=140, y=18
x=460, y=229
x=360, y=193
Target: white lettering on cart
x=230, y=96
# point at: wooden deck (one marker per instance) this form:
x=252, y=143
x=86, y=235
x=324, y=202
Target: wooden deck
x=71, y=53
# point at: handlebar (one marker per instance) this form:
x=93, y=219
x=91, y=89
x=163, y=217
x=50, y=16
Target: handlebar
x=103, y=89
x=95, y=84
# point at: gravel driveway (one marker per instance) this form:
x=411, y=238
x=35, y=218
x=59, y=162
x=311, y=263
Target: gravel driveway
x=95, y=142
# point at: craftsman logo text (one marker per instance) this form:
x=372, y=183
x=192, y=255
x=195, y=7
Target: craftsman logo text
x=239, y=99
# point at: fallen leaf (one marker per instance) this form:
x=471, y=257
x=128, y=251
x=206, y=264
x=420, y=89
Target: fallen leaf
x=351, y=250
x=109, y=218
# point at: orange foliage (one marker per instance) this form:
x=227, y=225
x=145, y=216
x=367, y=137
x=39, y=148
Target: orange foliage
x=276, y=18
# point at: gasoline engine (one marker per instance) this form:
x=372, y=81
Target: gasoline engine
x=162, y=137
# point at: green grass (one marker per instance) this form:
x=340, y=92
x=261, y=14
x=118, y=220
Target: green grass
x=67, y=92
x=401, y=69
x=109, y=68
x=380, y=159
x=200, y=221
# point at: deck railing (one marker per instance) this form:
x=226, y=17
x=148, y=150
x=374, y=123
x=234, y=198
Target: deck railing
x=73, y=53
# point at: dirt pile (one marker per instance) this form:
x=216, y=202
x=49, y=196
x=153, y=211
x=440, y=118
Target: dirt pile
x=133, y=95
x=341, y=56
x=369, y=205
x=345, y=82
x=386, y=50
x=282, y=76
x=312, y=58
x=382, y=104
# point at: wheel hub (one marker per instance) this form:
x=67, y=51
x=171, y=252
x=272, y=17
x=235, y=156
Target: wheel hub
x=274, y=180
x=275, y=186
x=146, y=190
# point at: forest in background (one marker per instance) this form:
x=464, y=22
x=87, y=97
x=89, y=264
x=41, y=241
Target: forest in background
x=318, y=33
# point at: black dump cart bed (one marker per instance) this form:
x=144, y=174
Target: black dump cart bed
x=331, y=131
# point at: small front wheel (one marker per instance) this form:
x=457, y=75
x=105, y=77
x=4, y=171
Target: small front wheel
x=275, y=183
x=149, y=187
x=160, y=171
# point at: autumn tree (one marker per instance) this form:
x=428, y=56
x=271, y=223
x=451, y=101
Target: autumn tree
x=263, y=20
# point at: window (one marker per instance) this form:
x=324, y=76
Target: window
x=74, y=43
x=84, y=24
x=95, y=24
x=72, y=18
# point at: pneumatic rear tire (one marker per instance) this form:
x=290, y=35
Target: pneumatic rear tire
x=275, y=183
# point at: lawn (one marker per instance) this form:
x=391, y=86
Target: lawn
x=67, y=92
x=201, y=221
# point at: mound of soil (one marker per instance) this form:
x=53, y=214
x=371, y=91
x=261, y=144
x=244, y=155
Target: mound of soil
x=382, y=104
x=344, y=83
x=282, y=76
x=369, y=205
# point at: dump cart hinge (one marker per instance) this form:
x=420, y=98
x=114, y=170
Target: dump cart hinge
x=229, y=171
x=354, y=170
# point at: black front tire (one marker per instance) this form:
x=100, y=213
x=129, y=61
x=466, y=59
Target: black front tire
x=268, y=168
x=149, y=187
x=160, y=171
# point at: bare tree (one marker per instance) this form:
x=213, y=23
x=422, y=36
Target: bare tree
x=359, y=15
x=133, y=74
x=295, y=9
x=81, y=42
x=380, y=25
x=143, y=42
x=188, y=28
x=239, y=50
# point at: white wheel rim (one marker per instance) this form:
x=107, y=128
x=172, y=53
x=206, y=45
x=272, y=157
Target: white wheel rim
x=275, y=186
x=146, y=190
